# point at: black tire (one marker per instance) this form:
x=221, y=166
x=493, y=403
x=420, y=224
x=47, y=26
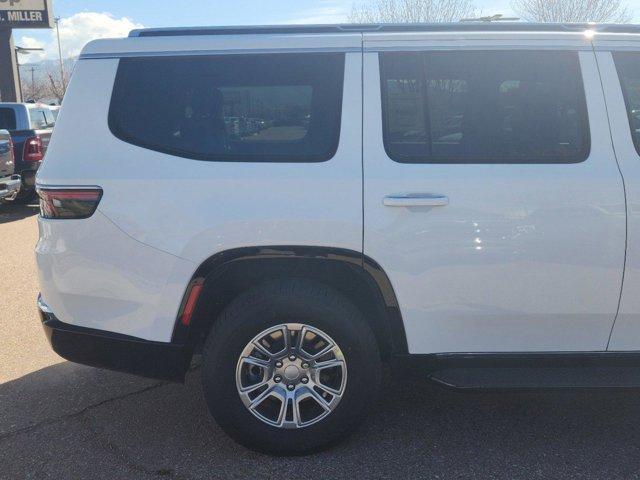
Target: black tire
x=275, y=303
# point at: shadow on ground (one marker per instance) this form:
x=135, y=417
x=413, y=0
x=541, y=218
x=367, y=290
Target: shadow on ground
x=69, y=421
x=10, y=212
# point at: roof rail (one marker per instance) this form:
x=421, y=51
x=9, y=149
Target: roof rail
x=482, y=26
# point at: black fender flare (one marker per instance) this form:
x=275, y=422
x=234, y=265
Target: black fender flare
x=372, y=272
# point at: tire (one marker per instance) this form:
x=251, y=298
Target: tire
x=291, y=302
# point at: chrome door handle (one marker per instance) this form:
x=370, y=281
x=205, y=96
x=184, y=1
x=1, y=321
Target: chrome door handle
x=416, y=200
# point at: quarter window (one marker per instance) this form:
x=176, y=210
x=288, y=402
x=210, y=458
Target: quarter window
x=628, y=65
x=484, y=107
x=253, y=108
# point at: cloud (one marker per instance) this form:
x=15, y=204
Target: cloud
x=76, y=31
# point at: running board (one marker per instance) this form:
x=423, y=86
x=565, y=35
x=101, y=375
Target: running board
x=532, y=371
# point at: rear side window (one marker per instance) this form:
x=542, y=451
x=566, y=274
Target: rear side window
x=484, y=107
x=7, y=119
x=252, y=108
x=38, y=118
x=49, y=118
x=628, y=65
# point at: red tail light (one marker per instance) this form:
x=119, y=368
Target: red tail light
x=68, y=203
x=33, y=151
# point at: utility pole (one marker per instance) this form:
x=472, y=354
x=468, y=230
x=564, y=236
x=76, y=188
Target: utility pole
x=33, y=79
x=62, y=76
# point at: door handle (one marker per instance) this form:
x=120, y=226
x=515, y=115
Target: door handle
x=416, y=200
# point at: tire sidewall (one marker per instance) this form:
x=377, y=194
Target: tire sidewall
x=260, y=311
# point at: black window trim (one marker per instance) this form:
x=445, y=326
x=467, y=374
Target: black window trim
x=635, y=139
x=506, y=160
x=233, y=158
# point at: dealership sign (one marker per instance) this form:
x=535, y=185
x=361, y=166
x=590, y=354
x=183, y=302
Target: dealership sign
x=25, y=14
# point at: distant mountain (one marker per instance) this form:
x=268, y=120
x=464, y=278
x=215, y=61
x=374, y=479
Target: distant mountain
x=42, y=68
x=36, y=84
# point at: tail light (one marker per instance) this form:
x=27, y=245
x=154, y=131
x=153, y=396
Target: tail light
x=68, y=203
x=33, y=151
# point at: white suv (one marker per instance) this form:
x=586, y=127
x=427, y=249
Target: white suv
x=299, y=204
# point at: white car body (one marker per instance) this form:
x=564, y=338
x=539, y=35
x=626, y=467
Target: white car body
x=517, y=258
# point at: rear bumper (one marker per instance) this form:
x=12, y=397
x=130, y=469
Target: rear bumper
x=114, y=351
x=10, y=186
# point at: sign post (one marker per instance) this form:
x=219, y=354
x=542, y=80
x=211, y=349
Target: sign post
x=18, y=14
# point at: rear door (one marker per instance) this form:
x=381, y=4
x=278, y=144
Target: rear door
x=492, y=196
x=619, y=62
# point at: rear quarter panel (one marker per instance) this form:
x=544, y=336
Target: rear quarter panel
x=166, y=215
x=193, y=209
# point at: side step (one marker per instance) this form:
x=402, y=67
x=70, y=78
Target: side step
x=533, y=370
x=531, y=378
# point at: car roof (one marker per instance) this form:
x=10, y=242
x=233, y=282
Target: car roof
x=353, y=38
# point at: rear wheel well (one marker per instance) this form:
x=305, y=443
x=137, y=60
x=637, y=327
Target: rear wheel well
x=358, y=281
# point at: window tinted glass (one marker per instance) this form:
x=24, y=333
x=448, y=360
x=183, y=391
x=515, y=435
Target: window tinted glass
x=38, y=120
x=628, y=65
x=49, y=118
x=484, y=107
x=283, y=107
x=7, y=119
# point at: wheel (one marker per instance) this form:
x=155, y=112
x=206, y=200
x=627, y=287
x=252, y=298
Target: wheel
x=290, y=367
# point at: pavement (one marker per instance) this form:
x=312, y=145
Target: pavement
x=64, y=421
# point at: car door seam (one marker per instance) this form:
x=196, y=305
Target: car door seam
x=624, y=189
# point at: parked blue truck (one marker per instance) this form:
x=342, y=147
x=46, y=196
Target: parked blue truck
x=30, y=126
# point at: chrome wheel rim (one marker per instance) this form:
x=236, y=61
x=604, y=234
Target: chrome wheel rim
x=291, y=375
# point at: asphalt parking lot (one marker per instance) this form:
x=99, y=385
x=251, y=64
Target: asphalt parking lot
x=64, y=421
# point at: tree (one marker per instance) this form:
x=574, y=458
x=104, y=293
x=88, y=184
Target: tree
x=572, y=10
x=57, y=86
x=412, y=11
x=33, y=88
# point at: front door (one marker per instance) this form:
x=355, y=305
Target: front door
x=493, y=200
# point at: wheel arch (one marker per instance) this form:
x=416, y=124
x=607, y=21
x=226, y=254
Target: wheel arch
x=227, y=273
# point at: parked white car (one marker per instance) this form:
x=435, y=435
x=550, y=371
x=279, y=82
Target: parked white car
x=302, y=203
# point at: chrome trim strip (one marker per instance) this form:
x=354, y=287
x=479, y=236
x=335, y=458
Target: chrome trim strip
x=246, y=51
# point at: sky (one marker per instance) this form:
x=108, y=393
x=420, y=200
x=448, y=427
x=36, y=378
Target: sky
x=84, y=20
